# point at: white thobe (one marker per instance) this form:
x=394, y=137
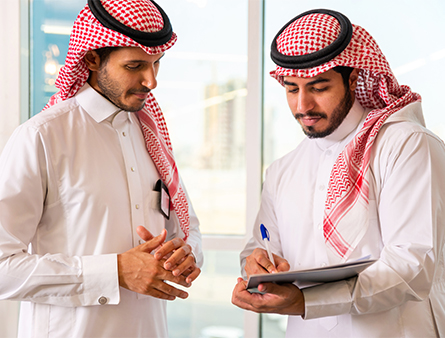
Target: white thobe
x=403, y=293
x=75, y=182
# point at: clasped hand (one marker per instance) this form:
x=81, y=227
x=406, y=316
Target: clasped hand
x=146, y=273
x=283, y=299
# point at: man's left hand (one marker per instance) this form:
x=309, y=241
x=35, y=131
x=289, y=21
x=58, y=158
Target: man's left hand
x=285, y=299
x=178, y=255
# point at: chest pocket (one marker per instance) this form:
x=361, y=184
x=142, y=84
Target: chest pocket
x=154, y=220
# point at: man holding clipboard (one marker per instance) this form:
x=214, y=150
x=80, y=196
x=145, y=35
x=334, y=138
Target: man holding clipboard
x=367, y=181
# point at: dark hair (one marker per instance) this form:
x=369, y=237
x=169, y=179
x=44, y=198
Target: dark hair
x=104, y=54
x=345, y=72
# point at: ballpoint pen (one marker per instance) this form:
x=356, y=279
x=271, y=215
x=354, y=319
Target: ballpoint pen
x=266, y=239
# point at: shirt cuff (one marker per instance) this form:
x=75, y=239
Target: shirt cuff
x=100, y=279
x=330, y=299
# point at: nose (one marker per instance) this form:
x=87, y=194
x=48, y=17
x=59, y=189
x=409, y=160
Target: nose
x=305, y=102
x=149, y=78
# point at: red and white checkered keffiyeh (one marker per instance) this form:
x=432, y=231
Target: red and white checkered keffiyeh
x=88, y=34
x=346, y=208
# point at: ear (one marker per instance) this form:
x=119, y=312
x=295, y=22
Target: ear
x=353, y=77
x=92, y=60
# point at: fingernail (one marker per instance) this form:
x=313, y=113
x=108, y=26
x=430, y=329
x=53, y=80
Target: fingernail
x=167, y=266
x=176, y=272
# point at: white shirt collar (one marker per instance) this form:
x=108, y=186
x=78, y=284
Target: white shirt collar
x=97, y=106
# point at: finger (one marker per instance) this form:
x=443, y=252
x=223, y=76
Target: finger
x=240, y=294
x=178, y=256
x=171, y=290
x=281, y=290
x=169, y=246
x=263, y=288
x=168, y=276
x=258, y=264
x=192, y=276
x=171, y=268
x=143, y=233
x=153, y=243
x=266, y=263
x=179, y=269
x=282, y=264
x=187, y=272
x=158, y=294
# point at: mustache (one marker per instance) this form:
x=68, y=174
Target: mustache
x=140, y=90
x=310, y=114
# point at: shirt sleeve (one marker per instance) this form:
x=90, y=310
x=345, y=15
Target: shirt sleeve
x=52, y=278
x=266, y=215
x=194, y=239
x=410, y=215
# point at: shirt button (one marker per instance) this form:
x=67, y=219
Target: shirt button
x=124, y=133
x=102, y=300
x=132, y=169
x=137, y=206
x=320, y=226
x=328, y=153
x=321, y=187
x=323, y=265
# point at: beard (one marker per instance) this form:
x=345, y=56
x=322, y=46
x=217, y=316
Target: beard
x=112, y=90
x=338, y=115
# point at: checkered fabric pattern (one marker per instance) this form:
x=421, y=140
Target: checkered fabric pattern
x=346, y=208
x=88, y=34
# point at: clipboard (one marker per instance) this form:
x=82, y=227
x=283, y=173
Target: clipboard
x=310, y=277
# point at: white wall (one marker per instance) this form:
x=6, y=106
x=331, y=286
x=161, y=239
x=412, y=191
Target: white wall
x=9, y=115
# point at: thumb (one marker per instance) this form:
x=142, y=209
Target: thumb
x=143, y=233
x=282, y=264
x=153, y=243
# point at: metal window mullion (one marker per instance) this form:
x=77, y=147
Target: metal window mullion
x=254, y=131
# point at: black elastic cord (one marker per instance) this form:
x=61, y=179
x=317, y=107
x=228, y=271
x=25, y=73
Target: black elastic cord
x=144, y=38
x=321, y=56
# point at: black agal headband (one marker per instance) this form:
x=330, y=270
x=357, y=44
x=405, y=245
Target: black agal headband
x=144, y=38
x=321, y=56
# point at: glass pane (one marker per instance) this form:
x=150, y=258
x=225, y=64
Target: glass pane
x=202, y=91
x=208, y=311
x=50, y=27
x=273, y=325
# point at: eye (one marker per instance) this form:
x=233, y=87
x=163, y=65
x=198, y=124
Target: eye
x=319, y=89
x=292, y=90
x=133, y=66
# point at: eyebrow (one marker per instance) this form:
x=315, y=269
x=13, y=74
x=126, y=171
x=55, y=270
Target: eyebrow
x=144, y=61
x=161, y=57
x=311, y=83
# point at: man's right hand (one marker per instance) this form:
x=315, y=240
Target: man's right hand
x=140, y=272
x=258, y=262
